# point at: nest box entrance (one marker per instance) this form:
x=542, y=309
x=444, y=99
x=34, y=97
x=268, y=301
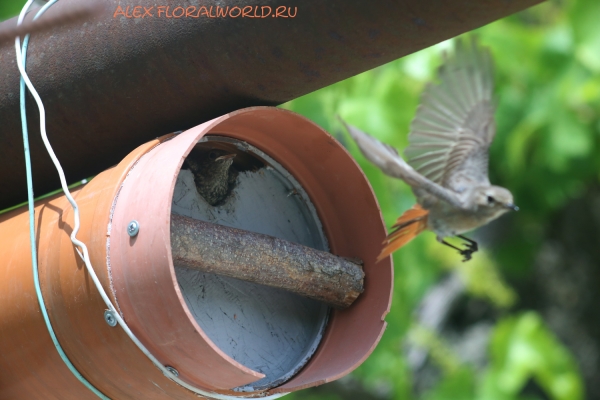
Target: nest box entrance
x=256, y=294
x=269, y=330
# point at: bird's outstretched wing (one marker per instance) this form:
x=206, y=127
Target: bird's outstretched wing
x=454, y=125
x=387, y=159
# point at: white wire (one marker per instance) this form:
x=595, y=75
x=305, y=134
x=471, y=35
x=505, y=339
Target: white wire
x=82, y=248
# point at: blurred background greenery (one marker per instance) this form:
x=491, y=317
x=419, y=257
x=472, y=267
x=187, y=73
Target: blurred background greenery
x=519, y=321
x=10, y=8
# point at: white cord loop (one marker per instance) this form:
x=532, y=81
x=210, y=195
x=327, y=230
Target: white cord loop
x=80, y=247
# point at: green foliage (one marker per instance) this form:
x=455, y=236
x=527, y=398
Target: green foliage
x=319, y=396
x=483, y=280
x=10, y=8
x=458, y=385
x=524, y=349
x=437, y=349
x=548, y=137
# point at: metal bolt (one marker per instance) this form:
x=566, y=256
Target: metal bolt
x=172, y=370
x=110, y=319
x=133, y=228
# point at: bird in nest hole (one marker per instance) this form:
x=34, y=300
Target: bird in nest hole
x=213, y=172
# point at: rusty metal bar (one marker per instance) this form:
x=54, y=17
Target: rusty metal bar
x=266, y=260
x=111, y=85
x=78, y=13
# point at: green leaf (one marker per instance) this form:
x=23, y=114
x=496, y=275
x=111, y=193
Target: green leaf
x=9, y=9
x=456, y=386
x=522, y=348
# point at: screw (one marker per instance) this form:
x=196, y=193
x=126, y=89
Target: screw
x=110, y=319
x=133, y=228
x=172, y=370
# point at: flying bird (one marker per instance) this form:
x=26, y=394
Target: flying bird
x=213, y=173
x=447, y=157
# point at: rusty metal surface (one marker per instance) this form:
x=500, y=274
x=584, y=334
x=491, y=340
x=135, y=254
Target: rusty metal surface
x=266, y=260
x=79, y=13
x=110, y=85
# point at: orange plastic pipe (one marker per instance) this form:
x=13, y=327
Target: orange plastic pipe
x=139, y=276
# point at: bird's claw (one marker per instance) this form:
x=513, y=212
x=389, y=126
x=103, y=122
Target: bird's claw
x=467, y=254
x=472, y=246
x=469, y=250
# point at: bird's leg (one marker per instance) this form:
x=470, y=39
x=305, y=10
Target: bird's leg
x=472, y=245
x=463, y=252
x=450, y=245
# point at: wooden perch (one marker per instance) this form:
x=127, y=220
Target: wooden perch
x=266, y=260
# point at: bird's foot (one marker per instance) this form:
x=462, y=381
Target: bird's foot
x=471, y=247
x=468, y=251
x=467, y=254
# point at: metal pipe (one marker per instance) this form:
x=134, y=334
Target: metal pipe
x=113, y=84
x=77, y=14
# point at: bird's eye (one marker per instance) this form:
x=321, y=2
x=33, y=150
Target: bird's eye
x=212, y=155
x=490, y=199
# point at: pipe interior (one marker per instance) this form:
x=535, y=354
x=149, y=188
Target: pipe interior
x=266, y=329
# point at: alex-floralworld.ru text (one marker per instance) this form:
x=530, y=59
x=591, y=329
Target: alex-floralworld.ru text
x=206, y=12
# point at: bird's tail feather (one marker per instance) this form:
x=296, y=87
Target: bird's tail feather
x=406, y=228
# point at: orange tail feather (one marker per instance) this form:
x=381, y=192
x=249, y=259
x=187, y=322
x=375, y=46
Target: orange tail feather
x=406, y=228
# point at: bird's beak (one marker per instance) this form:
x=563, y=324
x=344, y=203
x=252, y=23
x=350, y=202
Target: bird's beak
x=225, y=157
x=511, y=206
